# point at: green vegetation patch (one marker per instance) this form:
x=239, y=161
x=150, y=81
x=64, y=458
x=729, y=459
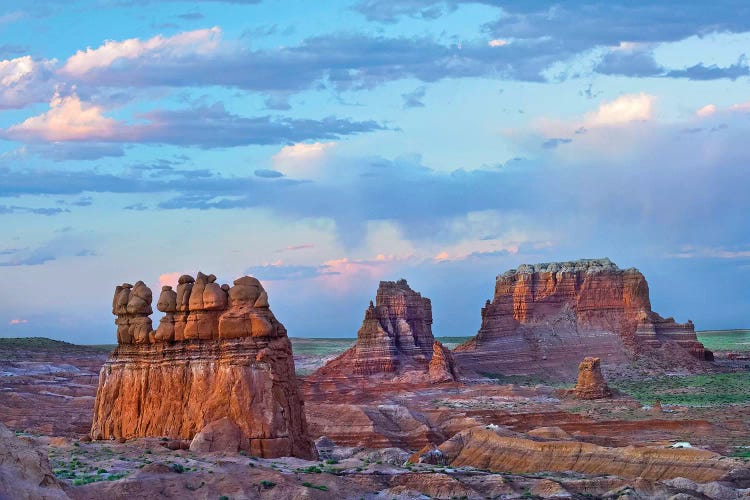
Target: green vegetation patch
x=527, y=380
x=725, y=340
x=320, y=347
x=320, y=487
x=694, y=390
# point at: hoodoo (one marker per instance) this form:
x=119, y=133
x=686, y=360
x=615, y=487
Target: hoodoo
x=590, y=383
x=395, y=339
x=218, y=353
x=543, y=317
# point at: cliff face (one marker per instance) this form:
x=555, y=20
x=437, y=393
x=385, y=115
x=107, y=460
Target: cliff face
x=545, y=313
x=218, y=352
x=395, y=337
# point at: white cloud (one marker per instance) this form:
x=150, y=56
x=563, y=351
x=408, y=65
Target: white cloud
x=18, y=321
x=302, y=160
x=68, y=119
x=190, y=42
x=24, y=81
x=625, y=109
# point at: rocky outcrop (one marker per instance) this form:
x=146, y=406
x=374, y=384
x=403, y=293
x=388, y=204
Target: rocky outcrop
x=591, y=384
x=395, y=340
x=542, y=316
x=25, y=472
x=218, y=353
x=497, y=449
x=442, y=368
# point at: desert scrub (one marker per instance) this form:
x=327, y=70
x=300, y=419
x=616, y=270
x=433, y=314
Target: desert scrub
x=267, y=485
x=313, y=469
x=320, y=487
x=693, y=390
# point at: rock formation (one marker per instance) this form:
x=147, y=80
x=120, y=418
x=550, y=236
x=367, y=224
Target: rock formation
x=497, y=449
x=591, y=384
x=395, y=338
x=543, y=316
x=25, y=472
x=442, y=367
x=218, y=353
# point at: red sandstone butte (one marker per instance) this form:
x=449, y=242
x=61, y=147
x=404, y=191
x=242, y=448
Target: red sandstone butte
x=219, y=352
x=395, y=340
x=544, y=317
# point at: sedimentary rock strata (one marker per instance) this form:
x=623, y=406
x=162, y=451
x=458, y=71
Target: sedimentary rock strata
x=544, y=316
x=590, y=383
x=497, y=449
x=395, y=339
x=219, y=352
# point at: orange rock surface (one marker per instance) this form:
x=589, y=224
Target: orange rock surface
x=499, y=450
x=395, y=339
x=234, y=362
x=591, y=384
x=543, y=316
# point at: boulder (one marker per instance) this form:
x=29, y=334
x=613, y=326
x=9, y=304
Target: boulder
x=221, y=435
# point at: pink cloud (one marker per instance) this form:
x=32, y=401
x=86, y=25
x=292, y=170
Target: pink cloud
x=169, y=279
x=706, y=110
x=190, y=42
x=344, y=274
x=68, y=119
x=18, y=322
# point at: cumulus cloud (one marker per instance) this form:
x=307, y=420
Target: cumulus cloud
x=624, y=109
x=68, y=119
x=302, y=160
x=198, y=42
x=24, y=81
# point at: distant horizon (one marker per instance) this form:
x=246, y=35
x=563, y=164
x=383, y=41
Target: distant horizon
x=324, y=147
x=353, y=339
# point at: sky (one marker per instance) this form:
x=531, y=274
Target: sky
x=325, y=146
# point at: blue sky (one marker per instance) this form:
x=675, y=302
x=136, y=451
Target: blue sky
x=324, y=147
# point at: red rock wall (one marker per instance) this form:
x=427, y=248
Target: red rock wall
x=550, y=315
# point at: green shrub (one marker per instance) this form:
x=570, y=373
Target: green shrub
x=320, y=487
x=267, y=485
